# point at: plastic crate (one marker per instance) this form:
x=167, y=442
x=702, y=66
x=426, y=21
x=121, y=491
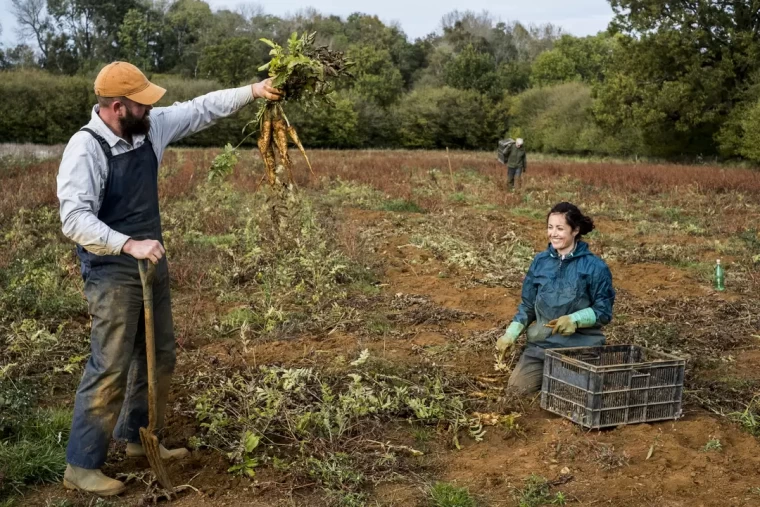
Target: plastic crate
x=611, y=385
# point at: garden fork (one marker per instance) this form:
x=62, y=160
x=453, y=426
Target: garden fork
x=147, y=435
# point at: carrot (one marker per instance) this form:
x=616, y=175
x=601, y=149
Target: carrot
x=271, y=164
x=265, y=144
x=294, y=137
x=281, y=141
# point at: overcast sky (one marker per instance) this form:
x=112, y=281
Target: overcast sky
x=579, y=17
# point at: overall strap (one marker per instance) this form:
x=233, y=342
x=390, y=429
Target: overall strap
x=103, y=143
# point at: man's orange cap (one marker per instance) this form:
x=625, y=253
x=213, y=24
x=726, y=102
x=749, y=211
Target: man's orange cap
x=122, y=79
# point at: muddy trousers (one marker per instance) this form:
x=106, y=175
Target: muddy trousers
x=528, y=375
x=112, y=398
x=514, y=178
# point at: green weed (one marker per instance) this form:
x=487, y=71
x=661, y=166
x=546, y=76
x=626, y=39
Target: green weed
x=379, y=324
x=337, y=475
x=749, y=419
x=443, y=494
x=669, y=214
x=537, y=492
x=366, y=287
x=246, y=317
x=510, y=426
x=422, y=434
x=401, y=205
x=31, y=347
x=459, y=198
x=712, y=445
x=31, y=229
x=751, y=238
x=223, y=164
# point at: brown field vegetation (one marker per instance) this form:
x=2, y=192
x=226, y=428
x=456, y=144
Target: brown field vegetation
x=386, y=283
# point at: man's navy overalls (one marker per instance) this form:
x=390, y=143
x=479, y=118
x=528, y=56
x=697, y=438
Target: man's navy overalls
x=113, y=394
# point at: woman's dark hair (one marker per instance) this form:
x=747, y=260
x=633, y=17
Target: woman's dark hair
x=574, y=217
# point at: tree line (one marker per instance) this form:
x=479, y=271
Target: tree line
x=676, y=80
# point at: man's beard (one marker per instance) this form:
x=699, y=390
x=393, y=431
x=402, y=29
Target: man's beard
x=131, y=125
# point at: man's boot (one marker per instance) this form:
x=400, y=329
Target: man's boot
x=91, y=481
x=137, y=451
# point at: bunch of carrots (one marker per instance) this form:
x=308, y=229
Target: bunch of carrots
x=304, y=73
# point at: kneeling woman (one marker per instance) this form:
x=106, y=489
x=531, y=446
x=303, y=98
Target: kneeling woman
x=567, y=295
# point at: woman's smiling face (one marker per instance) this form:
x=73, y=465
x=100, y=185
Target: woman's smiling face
x=561, y=235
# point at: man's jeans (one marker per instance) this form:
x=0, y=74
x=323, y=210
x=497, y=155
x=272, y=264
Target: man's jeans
x=113, y=393
x=514, y=178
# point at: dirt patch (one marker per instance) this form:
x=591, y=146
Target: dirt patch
x=650, y=280
x=607, y=226
x=747, y=364
x=740, y=368
x=645, y=464
x=204, y=471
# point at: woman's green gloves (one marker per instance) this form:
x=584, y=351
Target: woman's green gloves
x=565, y=325
x=568, y=324
x=510, y=336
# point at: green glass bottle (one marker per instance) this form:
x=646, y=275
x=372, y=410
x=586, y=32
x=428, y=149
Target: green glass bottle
x=719, y=277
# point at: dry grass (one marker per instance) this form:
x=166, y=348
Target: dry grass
x=27, y=187
x=388, y=170
x=396, y=173
x=713, y=198
x=30, y=151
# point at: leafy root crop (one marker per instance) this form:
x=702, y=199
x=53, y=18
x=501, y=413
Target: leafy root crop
x=274, y=132
x=327, y=427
